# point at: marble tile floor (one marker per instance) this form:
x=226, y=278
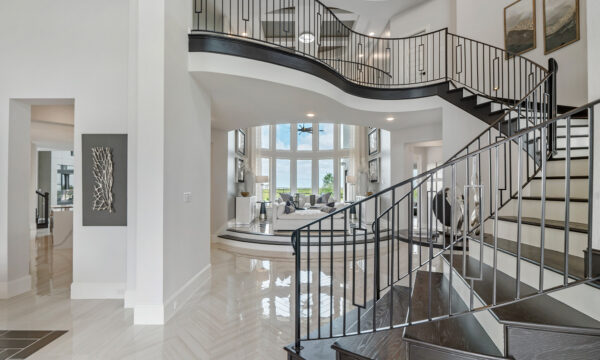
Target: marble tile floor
x=245, y=312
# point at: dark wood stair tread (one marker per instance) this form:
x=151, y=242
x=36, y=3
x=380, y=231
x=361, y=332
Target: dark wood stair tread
x=572, y=158
x=539, y=310
x=314, y=350
x=462, y=333
x=553, y=260
x=385, y=344
x=552, y=224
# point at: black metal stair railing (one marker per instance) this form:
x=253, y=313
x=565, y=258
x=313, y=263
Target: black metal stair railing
x=311, y=29
x=352, y=278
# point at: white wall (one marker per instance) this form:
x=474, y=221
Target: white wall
x=14, y=239
x=77, y=50
x=186, y=243
x=593, y=9
x=430, y=15
x=484, y=21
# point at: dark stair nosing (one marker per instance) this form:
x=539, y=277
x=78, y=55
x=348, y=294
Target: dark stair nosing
x=552, y=224
x=541, y=311
x=571, y=136
x=549, y=198
x=558, y=177
x=572, y=126
x=572, y=158
x=574, y=148
x=462, y=333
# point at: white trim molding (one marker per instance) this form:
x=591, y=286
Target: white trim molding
x=185, y=293
x=91, y=290
x=15, y=287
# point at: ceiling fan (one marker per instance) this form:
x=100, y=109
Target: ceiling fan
x=307, y=130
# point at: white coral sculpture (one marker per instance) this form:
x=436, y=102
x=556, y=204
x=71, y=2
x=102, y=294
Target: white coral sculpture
x=103, y=179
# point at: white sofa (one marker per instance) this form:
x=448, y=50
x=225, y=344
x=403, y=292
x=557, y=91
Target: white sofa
x=293, y=221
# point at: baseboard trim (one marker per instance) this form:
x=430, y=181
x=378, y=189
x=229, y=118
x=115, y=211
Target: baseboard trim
x=88, y=291
x=185, y=293
x=129, y=299
x=15, y=287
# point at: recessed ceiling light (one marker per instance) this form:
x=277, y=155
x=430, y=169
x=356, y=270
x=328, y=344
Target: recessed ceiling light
x=310, y=115
x=390, y=118
x=371, y=33
x=360, y=55
x=388, y=34
x=244, y=34
x=306, y=37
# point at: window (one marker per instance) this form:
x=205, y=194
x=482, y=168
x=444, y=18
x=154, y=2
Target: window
x=304, y=177
x=325, y=176
x=282, y=132
x=264, y=171
x=305, y=136
x=325, y=136
x=282, y=175
x=265, y=136
x=346, y=136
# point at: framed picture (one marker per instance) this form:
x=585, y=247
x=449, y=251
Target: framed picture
x=240, y=142
x=561, y=24
x=374, y=170
x=519, y=27
x=373, y=141
x=239, y=170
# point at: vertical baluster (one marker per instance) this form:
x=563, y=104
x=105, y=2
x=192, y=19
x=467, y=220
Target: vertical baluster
x=309, y=278
x=519, y=215
x=567, y=199
x=496, y=194
x=297, y=331
x=430, y=240
x=345, y=272
x=452, y=237
x=319, y=285
x=543, y=209
x=410, y=245
x=591, y=126
x=331, y=278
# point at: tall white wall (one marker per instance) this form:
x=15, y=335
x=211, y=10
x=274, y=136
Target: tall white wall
x=222, y=180
x=593, y=28
x=484, y=21
x=186, y=243
x=429, y=15
x=76, y=50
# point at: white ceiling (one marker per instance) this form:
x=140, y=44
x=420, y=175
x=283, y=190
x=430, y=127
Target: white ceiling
x=373, y=15
x=239, y=102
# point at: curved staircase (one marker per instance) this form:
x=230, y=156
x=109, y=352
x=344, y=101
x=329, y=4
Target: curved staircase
x=517, y=279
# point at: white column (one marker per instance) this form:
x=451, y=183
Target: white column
x=593, y=50
x=150, y=162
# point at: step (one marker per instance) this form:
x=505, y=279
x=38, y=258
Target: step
x=574, y=122
x=579, y=188
x=463, y=333
x=386, y=344
x=555, y=208
x=553, y=260
x=577, y=141
x=575, y=153
x=538, y=311
x=575, y=130
x=556, y=167
x=530, y=233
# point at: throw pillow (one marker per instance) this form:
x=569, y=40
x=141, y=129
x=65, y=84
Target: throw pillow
x=327, y=209
x=289, y=207
x=323, y=199
x=286, y=197
x=331, y=204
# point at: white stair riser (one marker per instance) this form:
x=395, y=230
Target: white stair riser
x=561, y=143
x=530, y=234
x=493, y=328
x=562, y=154
x=563, y=122
x=556, y=188
x=574, y=131
x=583, y=298
x=557, y=168
x=555, y=210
